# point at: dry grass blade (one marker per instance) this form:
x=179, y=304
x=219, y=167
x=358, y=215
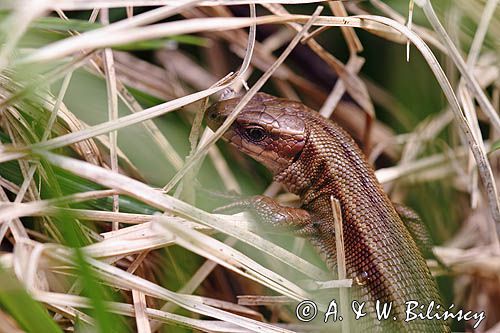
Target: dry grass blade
x=465, y=96
x=85, y=4
x=262, y=300
x=90, y=215
x=109, y=70
x=140, y=310
x=16, y=226
x=409, y=25
x=11, y=211
x=99, y=38
x=350, y=36
x=341, y=264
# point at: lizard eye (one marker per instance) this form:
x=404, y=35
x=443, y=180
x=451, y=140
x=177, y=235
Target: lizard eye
x=255, y=133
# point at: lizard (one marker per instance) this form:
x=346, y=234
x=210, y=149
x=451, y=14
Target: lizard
x=316, y=159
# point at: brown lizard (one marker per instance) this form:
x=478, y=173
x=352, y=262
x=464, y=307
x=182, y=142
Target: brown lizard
x=316, y=159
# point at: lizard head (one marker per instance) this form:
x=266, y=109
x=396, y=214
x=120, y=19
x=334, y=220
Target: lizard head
x=269, y=129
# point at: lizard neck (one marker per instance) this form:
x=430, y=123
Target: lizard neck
x=331, y=163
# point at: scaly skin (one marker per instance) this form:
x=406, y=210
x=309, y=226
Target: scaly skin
x=316, y=159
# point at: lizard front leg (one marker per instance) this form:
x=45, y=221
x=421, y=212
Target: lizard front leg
x=298, y=221
x=276, y=216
